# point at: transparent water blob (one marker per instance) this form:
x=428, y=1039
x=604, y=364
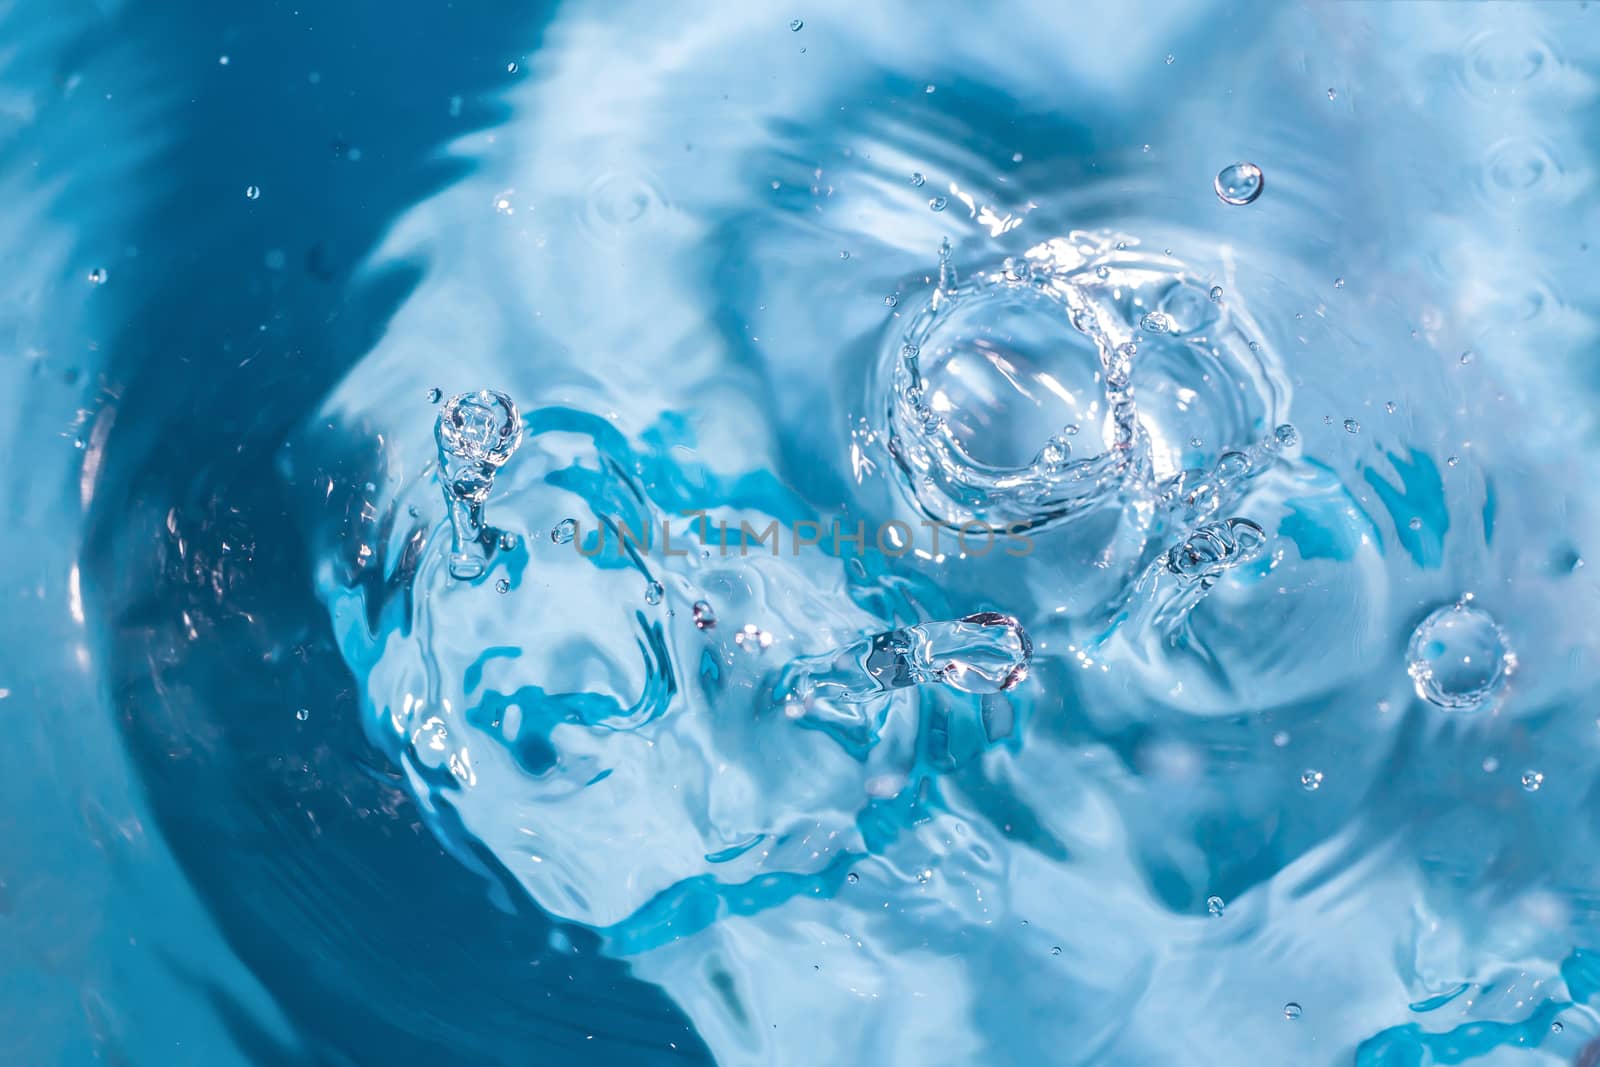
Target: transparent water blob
x=477, y=433
x=1239, y=183
x=1458, y=658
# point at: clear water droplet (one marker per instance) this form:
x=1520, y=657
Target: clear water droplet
x=1556, y=1027
x=1157, y=322
x=1415, y=523
x=98, y=276
x=1458, y=658
x=1055, y=950
x=1452, y=461
x=1352, y=426
x=917, y=179
x=435, y=395
x=1216, y=294
x=1338, y=283
x=511, y=68
x=852, y=878
x=937, y=203
x=653, y=593
x=796, y=25
x=1286, y=436
x=252, y=192
x=1215, y=547
x=564, y=531
x=1102, y=272
x=1311, y=780
x=508, y=541
x=1215, y=905
x=303, y=714
x=1333, y=94
x=1466, y=357
x=891, y=301
x=1239, y=183
x=1532, y=781
x=1170, y=59
x=705, y=617
x=844, y=253
x=1291, y=1011
x=1389, y=406
x=502, y=585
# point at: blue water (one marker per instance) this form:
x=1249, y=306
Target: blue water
x=973, y=575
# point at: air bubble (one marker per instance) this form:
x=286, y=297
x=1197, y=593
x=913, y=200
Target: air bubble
x=1215, y=906
x=653, y=593
x=252, y=192
x=97, y=276
x=564, y=531
x=435, y=395
x=796, y=25
x=1291, y=1011
x=1311, y=780
x=476, y=434
x=1458, y=658
x=1532, y=781
x=891, y=301
x=1239, y=183
x=917, y=179
x=303, y=714
x=937, y=203
x=1157, y=322
x=502, y=585
x=1352, y=426
x=1216, y=294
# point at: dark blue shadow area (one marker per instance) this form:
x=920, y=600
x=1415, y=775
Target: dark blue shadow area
x=230, y=319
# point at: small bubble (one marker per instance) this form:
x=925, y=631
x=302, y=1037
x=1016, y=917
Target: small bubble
x=917, y=179
x=1389, y=406
x=1452, y=461
x=1532, y=780
x=511, y=68
x=1458, y=658
x=705, y=618
x=852, y=878
x=1352, y=426
x=97, y=276
x=1055, y=950
x=1556, y=1027
x=1239, y=183
x=1415, y=523
x=1216, y=294
x=1195, y=442
x=1310, y=780
x=1215, y=905
x=1170, y=58
x=502, y=585
x=303, y=714
x=653, y=593
x=252, y=192
x=1070, y=429
x=1157, y=322
x=508, y=541
x=891, y=301
x=1338, y=283
x=1333, y=94
x=796, y=25
x=937, y=203
x=844, y=253
x=435, y=395
x=1490, y=765
x=1286, y=436
x=564, y=531
x=1255, y=346
x=1291, y=1011
x=1102, y=271
x=909, y=351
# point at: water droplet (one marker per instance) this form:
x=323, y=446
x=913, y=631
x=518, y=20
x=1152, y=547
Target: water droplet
x=796, y=25
x=1338, y=283
x=844, y=253
x=705, y=618
x=97, y=276
x=909, y=351
x=653, y=593
x=1352, y=426
x=1216, y=294
x=477, y=433
x=508, y=541
x=1311, y=780
x=917, y=179
x=303, y=714
x=1291, y=1011
x=1332, y=94
x=502, y=585
x=937, y=203
x=1102, y=272
x=852, y=878
x=435, y=395
x=564, y=531
x=1389, y=406
x=1170, y=58
x=891, y=301
x=1452, y=461
x=1239, y=183
x=252, y=192
x=1532, y=781
x=1458, y=658
x=1415, y=523
x=1055, y=950
x=1466, y=357
x=1556, y=1027
x=1215, y=905
x=511, y=68
x=1157, y=322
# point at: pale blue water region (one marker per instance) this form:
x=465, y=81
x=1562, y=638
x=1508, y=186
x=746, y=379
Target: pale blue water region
x=834, y=534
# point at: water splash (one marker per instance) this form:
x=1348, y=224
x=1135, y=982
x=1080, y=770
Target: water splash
x=477, y=433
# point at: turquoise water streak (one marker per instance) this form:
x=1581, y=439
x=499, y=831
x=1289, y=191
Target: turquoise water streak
x=844, y=534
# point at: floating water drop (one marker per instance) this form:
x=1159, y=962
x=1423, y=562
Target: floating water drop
x=1215, y=906
x=1338, y=283
x=917, y=179
x=1532, y=781
x=1291, y=1011
x=1458, y=658
x=511, y=68
x=564, y=531
x=1239, y=183
x=1216, y=294
x=1286, y=436
x=1388, y=405
x=303, y=714
x=476, y=433
x=435, y=395
x=502, y=585
x=653, y=593
x=1157, y=322
x=1556, y=1027
x=844, y=253
x=1466, y=357
x=1352, y=426
x=1170, y=59
x=252, y=192
x=508, y=541
x=1311, y=780
x=1055, y=950
x=1414, y=523
x=796, y=25
x=705, y=618
x=891, y=301
x=97, y=276
x=937, y=203
x=852, y=878
x=1332, y=95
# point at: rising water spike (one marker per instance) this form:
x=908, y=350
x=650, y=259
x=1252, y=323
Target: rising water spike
x=477, y=433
